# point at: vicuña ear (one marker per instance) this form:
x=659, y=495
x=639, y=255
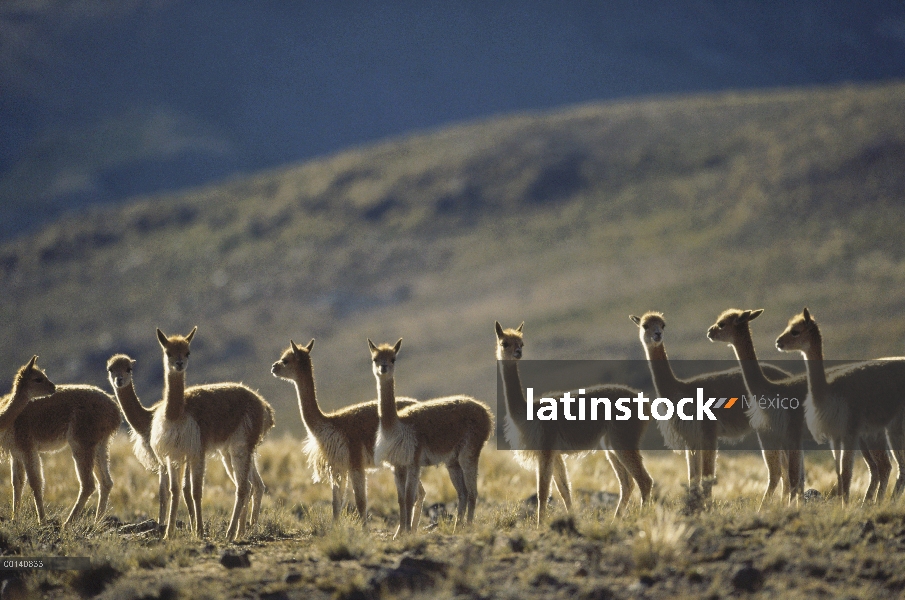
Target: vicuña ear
x=635, y=320
x=295, y=348
x=499, y=329
x=397, y=346
x=310, y=345
x=519, y=328
x=161, y=338
x=748, y=315
x=372, y=346
x=189, y=337
x=31, y=363
x=807, y=315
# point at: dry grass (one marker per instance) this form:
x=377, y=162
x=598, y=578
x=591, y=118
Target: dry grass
x=817, y=550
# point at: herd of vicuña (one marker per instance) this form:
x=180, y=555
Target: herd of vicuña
x=855, y=406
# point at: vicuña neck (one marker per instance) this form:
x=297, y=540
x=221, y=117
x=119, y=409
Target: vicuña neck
x=386, y=407
x=813, y=361
x=14, y=408
x=665, y=380
x=174, y=395
x=137, y=416
x=747, y=358
x=512, y=389
x=308, y=407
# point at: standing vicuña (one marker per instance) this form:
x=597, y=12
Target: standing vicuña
x=79, y=415
x=340, y=445
x=547, y=464
x=450, y=430
x=851, y=405
x=140, y=418
x=697, y=438
x=777, y=428
x=225, y=416
x=622, y=440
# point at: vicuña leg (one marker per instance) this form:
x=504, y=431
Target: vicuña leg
x=458, y=481
x=399, y=474
x=708, y=471
x=470, y=474
x=784, y=473
x=359, y=483
x=884, y=469
x=339, y=482
x=795, y=470
x=252, y=510
x=197, y=467
x=257, y=493
x=899, y=455
x=895, y=435
x=17, y=471
x=84, y=469
x=412, y=483
x=228, y=466
x=634, y=464
x=544, y=477
x=626, y=483
x=879, y=466
x=417, y=510
x=163, y=492
x=695, y=466
x=847, y=458
x=241, y=461
x=773, y=460
x=187, y=496
x=561, y=480
x=103, y=478
x=175, y=473
x=34, y=471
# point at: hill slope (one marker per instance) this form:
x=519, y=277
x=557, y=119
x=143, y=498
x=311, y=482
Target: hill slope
x=107, y=100
x=568, y=220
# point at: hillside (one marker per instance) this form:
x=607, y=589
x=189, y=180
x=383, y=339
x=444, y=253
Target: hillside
x=106, y=100
x=568, y=220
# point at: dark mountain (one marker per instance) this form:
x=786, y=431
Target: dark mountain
x=103, y=101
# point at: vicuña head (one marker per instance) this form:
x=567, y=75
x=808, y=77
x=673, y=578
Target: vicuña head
x=383, y=359
x=731, y=325
x=800, y=334
x=33, y=380
x=175, y=350
x=293, y=359
x=119, y=371
x=651, y=325
x=30, y=383
x=509, y=342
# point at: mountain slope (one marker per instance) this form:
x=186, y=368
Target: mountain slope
x=106, y=100
x=568, y=220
